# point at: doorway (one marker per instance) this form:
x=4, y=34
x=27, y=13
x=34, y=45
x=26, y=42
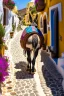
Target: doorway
x=44, y=25
x=54, y=33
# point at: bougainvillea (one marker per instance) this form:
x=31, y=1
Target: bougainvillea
x=40, y=5
x=5, y=1
x=36, y=1
x=3, y=68
x=9, y=3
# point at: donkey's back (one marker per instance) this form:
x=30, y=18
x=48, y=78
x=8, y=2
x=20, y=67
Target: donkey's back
x=33, y=41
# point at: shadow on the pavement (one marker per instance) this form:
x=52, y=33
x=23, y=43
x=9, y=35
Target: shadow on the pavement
x=50, y=66
x=22, y=74
x=52, y=77
x=52, y=84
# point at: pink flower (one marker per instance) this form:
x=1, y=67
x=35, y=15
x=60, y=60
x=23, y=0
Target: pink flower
x=2, y=75
x=3, y=68
x=9, y=3
x=3, y=63
x=36, y=1
x=5, y=1
x=12, y=2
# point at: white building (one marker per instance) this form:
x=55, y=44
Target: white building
x=8, y=18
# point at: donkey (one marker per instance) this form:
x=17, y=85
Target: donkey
x=33, y=46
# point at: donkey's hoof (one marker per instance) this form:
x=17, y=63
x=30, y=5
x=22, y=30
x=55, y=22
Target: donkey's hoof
x=32, y=73
x=34, y=70
x=29, y=72
x=27, y=69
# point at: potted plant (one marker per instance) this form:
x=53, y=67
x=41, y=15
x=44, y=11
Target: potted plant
x=13, y=29
x=3, y=70
x=2, y=44
x=9, y=3
x=19, y=27
x=40, y=5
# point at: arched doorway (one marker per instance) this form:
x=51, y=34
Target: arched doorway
x=45, y=31
x=44, y=25
x=54, y=33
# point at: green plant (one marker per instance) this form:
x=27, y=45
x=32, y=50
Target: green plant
x=13, y=27
x=9, y=3
x=1, y=41
x=2, y=31
x=19, y=27
x=33, y=9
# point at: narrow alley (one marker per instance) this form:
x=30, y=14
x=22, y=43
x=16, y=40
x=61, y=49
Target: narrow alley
x=32, y=48
x=20, y=82
x=23, y=83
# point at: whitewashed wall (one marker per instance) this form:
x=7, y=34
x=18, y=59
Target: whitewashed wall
x=1, y=10
x=9, y=14
x=16, y=19
x=8, y=28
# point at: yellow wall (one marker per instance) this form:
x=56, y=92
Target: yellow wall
x=27, y=21
x=61, y=25
x=39, y=14
x=46, y=36
x=51, y=3
x=15, y=10
x=30, y=4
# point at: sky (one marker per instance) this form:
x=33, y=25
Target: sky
x=22, y=3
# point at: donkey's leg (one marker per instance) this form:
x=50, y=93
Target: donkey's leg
x=29, y=60
x=33, y=64
x=34, y=59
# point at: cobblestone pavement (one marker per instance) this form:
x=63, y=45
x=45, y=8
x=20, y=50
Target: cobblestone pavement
x=19, y=82
x=51, y=80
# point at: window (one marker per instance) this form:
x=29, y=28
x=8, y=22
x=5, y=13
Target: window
x=12, y=19
x=4, y=17
x=45, y=26
x=41, y=25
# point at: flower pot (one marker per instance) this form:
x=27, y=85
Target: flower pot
x=40, y=5
x=11, y=34
x=2, y=50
